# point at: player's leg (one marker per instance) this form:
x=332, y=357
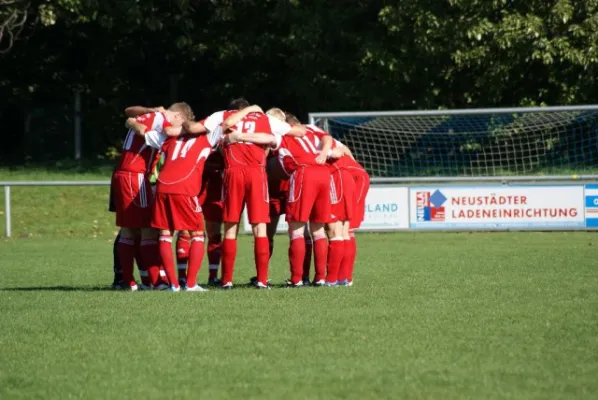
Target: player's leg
x=308, y=257
x=271, y=228
x=256, y=193
x=320, y=250
x=126, y=256
x=362, y=186
x=296, y=252
x=196, y=254
x=151, y=258
x=129, y=217
x=116, y=268
x=320, y=215
x=271, y=231
x=233, y=198
x=165, y=247
x=182, y=255
x=118, y=273
x=229, y=253
x=348, y=263
x=213, y=229
x=336, y=248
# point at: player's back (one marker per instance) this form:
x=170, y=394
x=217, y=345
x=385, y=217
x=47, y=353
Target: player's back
x=295, y=152
x=184, y=159
x=247, y=154
x=137, y=156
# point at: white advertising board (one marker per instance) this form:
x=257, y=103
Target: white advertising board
x=497, y=207
x=386, y=209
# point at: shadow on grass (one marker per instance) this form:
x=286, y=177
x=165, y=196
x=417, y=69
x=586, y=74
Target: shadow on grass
x=59, y=289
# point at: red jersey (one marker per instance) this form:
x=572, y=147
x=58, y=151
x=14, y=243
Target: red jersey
x=294, y=152
x=184, y=159
x=248, y=154
x=137, y=156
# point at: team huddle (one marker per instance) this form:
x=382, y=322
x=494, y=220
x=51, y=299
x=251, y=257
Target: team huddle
x=196, y=178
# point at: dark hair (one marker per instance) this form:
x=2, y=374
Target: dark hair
x=238, y=104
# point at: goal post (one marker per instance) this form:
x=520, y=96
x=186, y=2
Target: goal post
x=531, y=143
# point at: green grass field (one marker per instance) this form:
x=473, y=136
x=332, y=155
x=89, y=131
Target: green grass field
x=431, y=316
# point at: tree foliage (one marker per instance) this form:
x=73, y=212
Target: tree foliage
x=303, y=55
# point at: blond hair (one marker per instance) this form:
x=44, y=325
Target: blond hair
x=276, y=113
x=184, y=109
x=292, y=120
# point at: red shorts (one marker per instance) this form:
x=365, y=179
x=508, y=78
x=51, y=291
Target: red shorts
x=132, y=199
x=210, y=197
x=342, y=195
x=362, y=186
x=242, y=186
x=177, y=212
x=278, y=191
x=309, y=195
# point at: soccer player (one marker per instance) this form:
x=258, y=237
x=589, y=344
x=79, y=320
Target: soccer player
x=132, y=197
x=304, y=160
x=362, y=186
x=211, y=195
x=117, y=282
x=342, y=190
x=245, y=183
x=177, y=207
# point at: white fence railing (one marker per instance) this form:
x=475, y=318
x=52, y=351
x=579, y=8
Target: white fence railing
x=405, y=182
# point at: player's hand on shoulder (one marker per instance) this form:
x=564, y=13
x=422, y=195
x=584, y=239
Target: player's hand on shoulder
x=336, y=153
x=159, y=109
x=232, y=137
x=321, y=158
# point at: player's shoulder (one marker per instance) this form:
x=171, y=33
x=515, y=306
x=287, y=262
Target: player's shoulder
x=314, y=128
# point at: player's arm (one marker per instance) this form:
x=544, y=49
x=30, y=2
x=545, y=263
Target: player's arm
x=136, y=127
x=173, y=131
x=255, y=138
x=135, y=111
x=194, y=128
x=326, y=147
x=238, y=116
x=297, y=131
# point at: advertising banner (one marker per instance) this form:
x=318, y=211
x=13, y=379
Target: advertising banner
x=386, y=209
x=497, y=207
x=591, y=203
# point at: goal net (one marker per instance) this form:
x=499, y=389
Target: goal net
x=497, y=142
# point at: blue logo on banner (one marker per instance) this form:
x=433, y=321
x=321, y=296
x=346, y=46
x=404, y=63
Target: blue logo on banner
x=591, y=196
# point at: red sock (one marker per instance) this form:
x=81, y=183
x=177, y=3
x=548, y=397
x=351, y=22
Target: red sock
x=270, y=247
x=262, y=258
x=214, y=254
x=141, y=265
x=307, y=259
x=151, y=261
x=296, y=256
x=229, y=254
x=167, y=258
x=196, y=252
x=163, y=277
x=348, y=259
x=126, y=255
x=352, y=244
x=336, y=249
x=182, y=255
x=320, y=256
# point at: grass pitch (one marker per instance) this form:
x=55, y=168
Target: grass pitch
x=431, y=316
x=504, y=315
